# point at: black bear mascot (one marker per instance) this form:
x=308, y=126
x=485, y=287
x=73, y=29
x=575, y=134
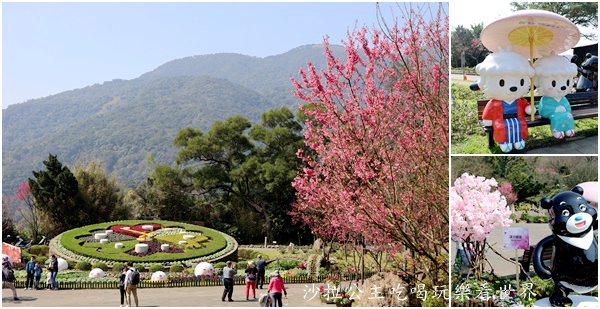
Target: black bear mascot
x=574, y=266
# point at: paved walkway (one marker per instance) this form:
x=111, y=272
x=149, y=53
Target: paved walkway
x=575, y=145
x=298, y=296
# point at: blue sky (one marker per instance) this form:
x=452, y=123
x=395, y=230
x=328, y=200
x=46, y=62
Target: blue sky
x=48, y=48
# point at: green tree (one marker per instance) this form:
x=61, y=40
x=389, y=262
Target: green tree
x=169, y=195
x=8, y=226
x=56, y=193
x=584, y=14
x=467, y=40
x=251, y=170
x=100, y=193
x=520, y=173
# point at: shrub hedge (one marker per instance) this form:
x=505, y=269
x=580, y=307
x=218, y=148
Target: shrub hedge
x=100, y=265
x=83, y=265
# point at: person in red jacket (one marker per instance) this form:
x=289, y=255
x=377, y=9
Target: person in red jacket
x=277, y=287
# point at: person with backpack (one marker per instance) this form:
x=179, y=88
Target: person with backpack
x=29, y=270
x=132, y=278
x=8, y=277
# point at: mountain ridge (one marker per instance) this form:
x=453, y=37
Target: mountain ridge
x=120, y=121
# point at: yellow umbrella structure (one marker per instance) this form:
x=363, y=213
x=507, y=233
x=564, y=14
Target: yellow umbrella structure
x=532, y=33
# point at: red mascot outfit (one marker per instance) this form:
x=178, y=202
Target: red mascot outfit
x=508, y=127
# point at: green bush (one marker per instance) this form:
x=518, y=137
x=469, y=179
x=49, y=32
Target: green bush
x=176, y=268
x=464, y=120
x=286, y=264
x=83, y=265
x=100, y=265
x=524, y=217
x=39, y=250
x=41, y=259
x=156, y=267
x=71, y=264
x=140, y=267
x=118, y=266
x=220, y=265
x=242, y=265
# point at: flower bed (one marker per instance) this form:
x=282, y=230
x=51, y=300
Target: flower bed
x=207, y=245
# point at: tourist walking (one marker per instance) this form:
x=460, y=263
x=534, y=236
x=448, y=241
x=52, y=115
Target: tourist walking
x=37, y=275
x=122, y=284
x=29, y=271
x=261, y=265
x=53, y=268
x=277, y=287
x=251, y=273
x=229, y=272
x=132, y=278
x=8, y=277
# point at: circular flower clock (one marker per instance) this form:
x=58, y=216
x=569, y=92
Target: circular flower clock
x=141, y=241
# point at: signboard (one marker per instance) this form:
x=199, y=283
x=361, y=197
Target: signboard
x=13, y=251
x=516, y=238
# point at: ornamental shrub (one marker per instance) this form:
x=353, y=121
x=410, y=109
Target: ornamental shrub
x=220, y=265
x=242, y=265
x=83, y=265
x=176, y=268
x=100, y=265
x=139, y=266
x=39, y=250
x=156, y=267
x=71, y=264
x=42, y=259
x=118, y=266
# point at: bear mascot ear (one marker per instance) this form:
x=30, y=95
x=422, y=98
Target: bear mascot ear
x=546, y=203
x=578, y=190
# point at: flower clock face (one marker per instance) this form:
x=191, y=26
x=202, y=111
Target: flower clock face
x=157, y=241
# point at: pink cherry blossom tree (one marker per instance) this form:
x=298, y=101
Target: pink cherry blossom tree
x=376, y=136
x=506, y=189
x=476, y=208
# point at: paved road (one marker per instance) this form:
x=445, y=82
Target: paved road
x=298, y=296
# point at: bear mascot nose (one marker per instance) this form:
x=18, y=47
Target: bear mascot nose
x=474, y=87
x=563, y=88
x=513, y=89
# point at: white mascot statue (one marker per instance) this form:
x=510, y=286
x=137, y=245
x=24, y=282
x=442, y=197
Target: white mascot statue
x=204, y=268
x=553, y=80
x=504, y=78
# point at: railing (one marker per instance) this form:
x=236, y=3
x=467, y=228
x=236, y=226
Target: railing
x=189, y=282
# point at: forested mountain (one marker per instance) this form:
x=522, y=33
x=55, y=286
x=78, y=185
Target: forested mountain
x=121, y=121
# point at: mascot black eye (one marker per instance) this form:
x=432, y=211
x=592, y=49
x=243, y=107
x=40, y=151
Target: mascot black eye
x=565, y=213
x=553, y=83
x=522, y=82
x=501, y=83
x=567, y=82
x=582, y=207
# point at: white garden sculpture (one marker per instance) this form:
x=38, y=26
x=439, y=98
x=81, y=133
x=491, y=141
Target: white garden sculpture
x=204, y=268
